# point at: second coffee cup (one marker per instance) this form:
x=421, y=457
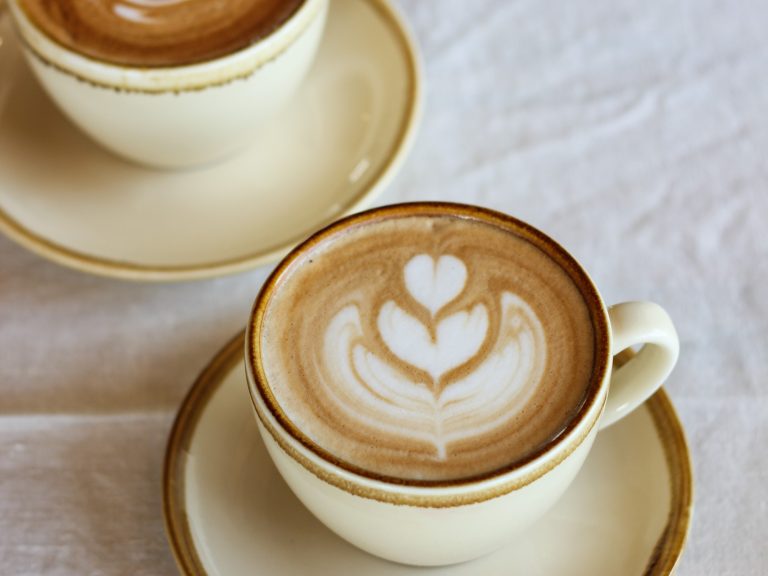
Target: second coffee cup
x=154, y=85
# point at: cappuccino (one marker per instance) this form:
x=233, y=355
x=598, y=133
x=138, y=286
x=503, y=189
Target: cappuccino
x=427, y=347
x=151, y=33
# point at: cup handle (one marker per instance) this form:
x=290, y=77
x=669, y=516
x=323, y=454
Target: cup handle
x=634, y=381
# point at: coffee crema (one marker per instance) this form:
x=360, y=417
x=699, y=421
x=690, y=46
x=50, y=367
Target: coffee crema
x=427, y=347
x=153, y=33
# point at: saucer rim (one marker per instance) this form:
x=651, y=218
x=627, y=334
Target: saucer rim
x=662, y=561
x=122, y=269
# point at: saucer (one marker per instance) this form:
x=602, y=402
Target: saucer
x=338, y=143
x=228, y=511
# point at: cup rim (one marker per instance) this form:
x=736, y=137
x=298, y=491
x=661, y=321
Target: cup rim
x=192, y=77
x=541, y=459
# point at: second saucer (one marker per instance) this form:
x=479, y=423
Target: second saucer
x=337, y=145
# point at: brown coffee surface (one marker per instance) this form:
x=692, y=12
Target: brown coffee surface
x=427, y=347
x=152, y=33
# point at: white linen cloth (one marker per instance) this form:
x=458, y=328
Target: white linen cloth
x=636, y=133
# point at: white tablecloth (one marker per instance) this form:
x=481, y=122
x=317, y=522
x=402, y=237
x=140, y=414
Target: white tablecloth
x=636, y=133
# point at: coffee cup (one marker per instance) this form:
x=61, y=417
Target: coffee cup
x=429, y=378
x=176, y=97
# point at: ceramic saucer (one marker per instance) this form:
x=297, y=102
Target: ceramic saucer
x=338, y=143
x=228, y=511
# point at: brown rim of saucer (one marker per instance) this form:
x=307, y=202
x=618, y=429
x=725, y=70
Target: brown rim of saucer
x=666, y=423
x=566, y=440
x=127, y=270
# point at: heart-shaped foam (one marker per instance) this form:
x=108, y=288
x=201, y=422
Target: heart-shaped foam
x=458, y=338
x=435, y=284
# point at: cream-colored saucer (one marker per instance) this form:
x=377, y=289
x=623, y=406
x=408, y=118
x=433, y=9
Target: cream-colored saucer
x=228, y=511
x=338, y=143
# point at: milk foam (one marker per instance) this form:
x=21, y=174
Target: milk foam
x=433, y=363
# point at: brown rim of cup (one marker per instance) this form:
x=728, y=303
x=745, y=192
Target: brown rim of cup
x=45, y=60
x=258, y=385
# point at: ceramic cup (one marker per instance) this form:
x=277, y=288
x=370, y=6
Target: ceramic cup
x=183, y=115
x=445, y=522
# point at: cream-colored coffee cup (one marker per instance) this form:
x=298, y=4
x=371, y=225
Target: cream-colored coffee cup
x=446, y=522
x=182, y=115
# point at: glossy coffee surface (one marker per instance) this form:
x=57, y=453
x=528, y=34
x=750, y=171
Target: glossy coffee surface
x=427, y=347
x=156, y=33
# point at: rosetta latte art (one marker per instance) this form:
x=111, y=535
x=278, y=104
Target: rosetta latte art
x=437, y=409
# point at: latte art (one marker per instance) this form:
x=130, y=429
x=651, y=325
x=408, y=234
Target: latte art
x=427, y=348
x=436, y=408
